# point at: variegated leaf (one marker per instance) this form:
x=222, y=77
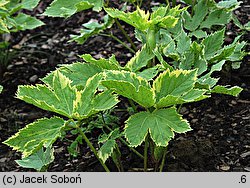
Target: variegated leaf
x=43, y=132
x=130, y=85
x=161, y=125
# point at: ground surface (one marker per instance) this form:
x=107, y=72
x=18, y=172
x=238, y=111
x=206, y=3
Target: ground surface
x=221, y=125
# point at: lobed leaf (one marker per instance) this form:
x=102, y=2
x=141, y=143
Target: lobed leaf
x=29, y=4
x=24, y=21
x=65, y=8
x=228, y=4
x=200, y=12
x=216, y=17
x=150, y=73
x=193, y=95
x=161, y=124
x=138, y=19
x=78, y=73
x=37, y=160
x=58, y=96
x=140, y=59
x=174, y=83
x=104, y=101
x=106, y=64
x=130, y=85
x=213, y=43
x=183, y=42
x=43, y=132
x=92, y=28
x=106, y=150
x=207, y=80
x=234, y=91
x=84, y=106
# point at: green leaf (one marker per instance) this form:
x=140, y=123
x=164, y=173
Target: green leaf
x=159, y=12
x=73, y=148
x=198, y=34
x=247, y=26
x=161, y=124
x=92, y=28
x=140, y=59
x=150, y=73
x=109, y=145
x=228, y=4
x=223, y=54
x=78, y=73
x=3, y=2
x=43, y=132
x=164, y=64
x=38, y=160
x=106, y=64
x=183, y=42
x=213, y=43
x=24, y=21
x=29, y=4
x=130, y=85
x=217, y=17
x=58, y=96
x=193, y=95
x=1, y=89
x=84, y=106
x=88, y=103
x=42, y=97
x=106, y=150
x=200, y=12
x=207, y=80
x=64, y=92
x=238, y=53
x=104, y=101
x=234, y=91
x=166, y=22
x=65, y=8
x=174, y=83
x=138, y=18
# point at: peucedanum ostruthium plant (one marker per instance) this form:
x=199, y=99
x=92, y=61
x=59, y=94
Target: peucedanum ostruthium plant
x=81, y=90
x=83, y=94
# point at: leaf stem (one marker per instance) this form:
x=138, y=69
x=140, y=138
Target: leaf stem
x=167, y=2
x=131, y=102
x=179, y=108
x=123, y=141
x=163, y=160
x=92, y=148
x=146, y=154
x=125, y=34
x=118, y=40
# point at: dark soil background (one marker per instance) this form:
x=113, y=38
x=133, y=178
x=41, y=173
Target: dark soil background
x=221, y=125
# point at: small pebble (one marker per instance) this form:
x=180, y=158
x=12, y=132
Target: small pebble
x=33, y=78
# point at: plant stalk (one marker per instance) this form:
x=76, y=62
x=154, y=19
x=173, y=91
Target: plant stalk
x=132, y=105
x=125, y=34
x=167, y=2
x=163, y=160
x=146, y=154
x=92, y=148
x=124, y=142
x=118, y=40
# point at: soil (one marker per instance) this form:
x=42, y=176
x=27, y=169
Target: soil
x=221, y=124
